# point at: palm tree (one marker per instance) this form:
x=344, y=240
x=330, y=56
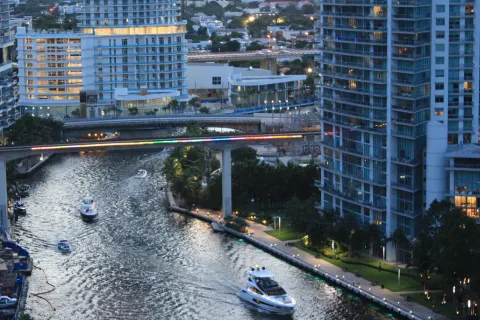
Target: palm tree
x=195, y=103
x=174, y=105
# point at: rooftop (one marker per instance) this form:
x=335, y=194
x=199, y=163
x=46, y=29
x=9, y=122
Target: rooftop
x=465, y=151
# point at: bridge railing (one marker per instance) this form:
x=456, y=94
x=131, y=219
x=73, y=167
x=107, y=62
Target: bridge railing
x=302, y=102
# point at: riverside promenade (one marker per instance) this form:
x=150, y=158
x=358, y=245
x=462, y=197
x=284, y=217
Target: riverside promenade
x=387, y=299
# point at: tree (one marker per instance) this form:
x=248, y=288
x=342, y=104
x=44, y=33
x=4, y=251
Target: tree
x=204, y=110
x=301, y=44
x=213, y=8
x=399, y=239
x=45, y=22
x=195, y=103
x=133, y=111
x=307, y=9
x=29, y=130
x=244, y=154
x=174, y=105
x=255, y=46
x=235, y=34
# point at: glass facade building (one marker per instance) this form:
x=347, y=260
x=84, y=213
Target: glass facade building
x=127, y=44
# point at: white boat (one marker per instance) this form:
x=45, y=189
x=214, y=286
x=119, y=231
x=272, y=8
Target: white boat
x=88, y=210
x=64, y=247
x=265, y=293
x=19, y=207
x=141, y=173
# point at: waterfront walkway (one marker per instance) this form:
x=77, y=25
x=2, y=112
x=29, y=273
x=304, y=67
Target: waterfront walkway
x=356, y=284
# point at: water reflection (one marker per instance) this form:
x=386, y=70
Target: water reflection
x=139, y=261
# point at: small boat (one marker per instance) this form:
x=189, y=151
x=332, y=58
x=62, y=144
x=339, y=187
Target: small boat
x=141, y=173
x=19, y=207
x=23, y=190
x=88, y=210
x=217, y=227
x=64, y=247
x=265, y=293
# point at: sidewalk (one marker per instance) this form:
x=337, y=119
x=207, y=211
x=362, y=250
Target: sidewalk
x=386, y=298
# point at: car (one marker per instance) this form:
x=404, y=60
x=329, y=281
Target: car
x=7, y=302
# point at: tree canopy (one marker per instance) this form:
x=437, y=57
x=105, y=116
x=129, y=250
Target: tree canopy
x=30, y=130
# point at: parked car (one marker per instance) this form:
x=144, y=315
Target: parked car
x=7, y=302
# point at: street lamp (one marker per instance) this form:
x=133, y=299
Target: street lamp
x=252, y=202
x=383, y=251
x=333, y=248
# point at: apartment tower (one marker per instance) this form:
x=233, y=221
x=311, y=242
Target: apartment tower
x=374, y=100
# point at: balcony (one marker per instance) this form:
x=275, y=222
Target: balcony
x=406, y=187
x=353, y=198
x=407, y=161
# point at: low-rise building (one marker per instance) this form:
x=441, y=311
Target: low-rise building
x=247, y=90
x=145, y=101
x=211, y=80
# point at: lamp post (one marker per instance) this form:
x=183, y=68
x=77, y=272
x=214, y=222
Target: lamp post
x=333, y=249
x=252, y=202
x=453, y=297
x=383, y=252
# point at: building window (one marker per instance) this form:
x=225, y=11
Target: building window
x=439, y=73
x=440, y=8
x=439, y=60
x=439, y=47
x=440, y=34
x=439, y=112
x=440, y=22
x=439, y=99
x=216, y=80
x=439, y=86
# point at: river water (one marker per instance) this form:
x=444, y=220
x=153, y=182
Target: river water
x=140, y=261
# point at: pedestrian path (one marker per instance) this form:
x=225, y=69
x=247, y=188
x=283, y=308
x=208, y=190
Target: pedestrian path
x=257, y=232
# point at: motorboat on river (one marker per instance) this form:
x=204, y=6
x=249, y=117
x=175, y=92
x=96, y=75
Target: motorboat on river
x=19, y=207
x=23, y=190
x=88, y=210
x=64, y=247
x=265, y=293
x=142, y=173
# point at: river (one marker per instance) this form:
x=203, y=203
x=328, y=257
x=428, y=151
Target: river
x=140, y=261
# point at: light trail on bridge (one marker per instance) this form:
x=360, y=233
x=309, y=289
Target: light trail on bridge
x=166, y=141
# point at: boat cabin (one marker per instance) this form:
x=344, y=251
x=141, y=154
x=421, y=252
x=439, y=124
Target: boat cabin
x=88, y=200
x=264, y=281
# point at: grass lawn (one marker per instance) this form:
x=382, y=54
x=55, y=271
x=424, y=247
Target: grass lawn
x=286, y=233
x=388, y=279
x=445, y=309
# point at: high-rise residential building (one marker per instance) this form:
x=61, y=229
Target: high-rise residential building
x=138, y=45
x=7, y=83
x=374, y=100
x=452, y=157
x=50, y=72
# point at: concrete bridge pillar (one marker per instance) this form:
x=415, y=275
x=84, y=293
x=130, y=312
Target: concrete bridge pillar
x=269, y=64
x=227, y=182
x=5, y=223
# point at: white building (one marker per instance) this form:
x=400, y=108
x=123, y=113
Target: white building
x=248, y=90
x=143, y=100
x=208, y=80
x=20, y=22
x=453, y=162
x=50, y=71
x=124, y=45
